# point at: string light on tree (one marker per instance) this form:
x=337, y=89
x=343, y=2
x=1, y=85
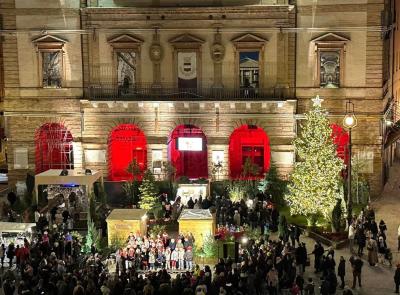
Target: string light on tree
x=315, y=182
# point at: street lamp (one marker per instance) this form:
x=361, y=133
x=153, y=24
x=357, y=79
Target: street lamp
x=349, y=122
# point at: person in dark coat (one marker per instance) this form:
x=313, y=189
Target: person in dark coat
x=318, y=252
x=397, y=278
x=342, y=271
x=361, y=240
x=357, y=265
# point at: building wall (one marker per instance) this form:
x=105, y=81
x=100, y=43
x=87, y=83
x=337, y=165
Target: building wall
x=289, y=60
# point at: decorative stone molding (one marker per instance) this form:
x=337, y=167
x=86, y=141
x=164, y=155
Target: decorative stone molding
x=249, y=42
x=48, y=45
x=217, y=55
x=125, y=41
x=187, y=43
x=156, y=54
x=122, y=44
x=326, y=43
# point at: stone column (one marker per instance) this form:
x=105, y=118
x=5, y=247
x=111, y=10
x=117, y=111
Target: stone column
x=156, y=55
x=282, y=67
x=217, y=55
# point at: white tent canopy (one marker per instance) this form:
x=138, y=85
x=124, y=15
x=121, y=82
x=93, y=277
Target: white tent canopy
x=74, y=177
x=15, y=227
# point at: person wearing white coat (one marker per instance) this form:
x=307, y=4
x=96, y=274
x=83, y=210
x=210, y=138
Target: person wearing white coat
x=181, y=258
x=174, y=258
x=167, y=258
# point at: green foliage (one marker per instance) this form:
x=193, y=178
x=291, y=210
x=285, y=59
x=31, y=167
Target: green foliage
x=283, y=227
x=130, y=187
x=315, y=181
x=273, y=185
x=236, y=191
x=92, y=237
x=116, y=243
x=92, y=207
x=250, y=169
x=157, y=230
x=337, y=216
x=169, y=175
x=148, y=191
x=359, y=184
x=252, y=234
x=76, y=235
x=210, y=247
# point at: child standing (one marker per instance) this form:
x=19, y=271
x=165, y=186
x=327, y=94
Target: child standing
x=181, y=258
x=174, y=258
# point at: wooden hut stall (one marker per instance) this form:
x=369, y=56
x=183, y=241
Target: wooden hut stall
x=199, y=222
x=122, y=222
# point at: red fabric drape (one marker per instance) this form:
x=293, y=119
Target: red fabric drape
x=248, y=142
x=53, y=148
x=341, y=140
x=192, y=164
x=126, y=142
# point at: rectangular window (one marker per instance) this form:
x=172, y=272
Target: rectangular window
x=249, y=69
x=126, y=68
x=21, y=158
x=217, y=157
x=156, y=158
x=51, y=69
x=329, y=69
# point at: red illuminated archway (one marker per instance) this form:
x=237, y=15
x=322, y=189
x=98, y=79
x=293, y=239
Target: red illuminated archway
x=341, y=140
x=125, y=143
x=248, y=141
x=189, y=157
x=53, y=148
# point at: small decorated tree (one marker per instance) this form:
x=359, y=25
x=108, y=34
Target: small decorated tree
x=130, y=186
x=315, y=181
x=148, y=191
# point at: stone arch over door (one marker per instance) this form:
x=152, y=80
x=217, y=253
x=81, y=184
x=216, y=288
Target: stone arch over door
x=126, y=142
x=248, y=141
x=53, y=148
x=188, y=157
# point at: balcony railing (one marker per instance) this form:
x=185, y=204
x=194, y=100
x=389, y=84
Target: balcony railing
x=166, y=92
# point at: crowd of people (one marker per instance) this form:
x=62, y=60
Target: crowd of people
x=53, y=263
x=162, y=252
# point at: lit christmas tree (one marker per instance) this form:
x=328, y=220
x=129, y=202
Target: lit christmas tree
x=148, y=191
x=315, y=182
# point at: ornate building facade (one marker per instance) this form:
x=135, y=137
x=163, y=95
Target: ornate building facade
x=97, y=83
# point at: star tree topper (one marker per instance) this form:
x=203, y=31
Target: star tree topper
x=317, y=101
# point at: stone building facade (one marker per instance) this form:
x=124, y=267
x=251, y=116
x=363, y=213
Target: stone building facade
x=93, y=66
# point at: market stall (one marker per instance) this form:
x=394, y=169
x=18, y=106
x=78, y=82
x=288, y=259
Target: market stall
x=15, y=232
x=122, y=222
x=69, y=178
x=193, y=190
x=199, y=222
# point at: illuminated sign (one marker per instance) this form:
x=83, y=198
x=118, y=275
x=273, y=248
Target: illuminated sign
x=190, y=144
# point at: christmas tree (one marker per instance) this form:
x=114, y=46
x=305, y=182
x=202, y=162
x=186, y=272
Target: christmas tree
x=315, y=182
x=148, y=191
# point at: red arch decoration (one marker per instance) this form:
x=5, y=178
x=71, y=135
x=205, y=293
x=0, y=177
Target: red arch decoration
x=341, y=140
x=248, y=141
x=192, y=164
x=53, y=148
x=125, y=143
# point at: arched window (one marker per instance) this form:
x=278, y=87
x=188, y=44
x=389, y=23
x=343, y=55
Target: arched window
x=54, y=148
x=126, y=143
x=248, y=142
x=341, y=140
x=187, y=151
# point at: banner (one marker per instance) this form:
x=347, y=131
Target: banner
x=187, y=70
